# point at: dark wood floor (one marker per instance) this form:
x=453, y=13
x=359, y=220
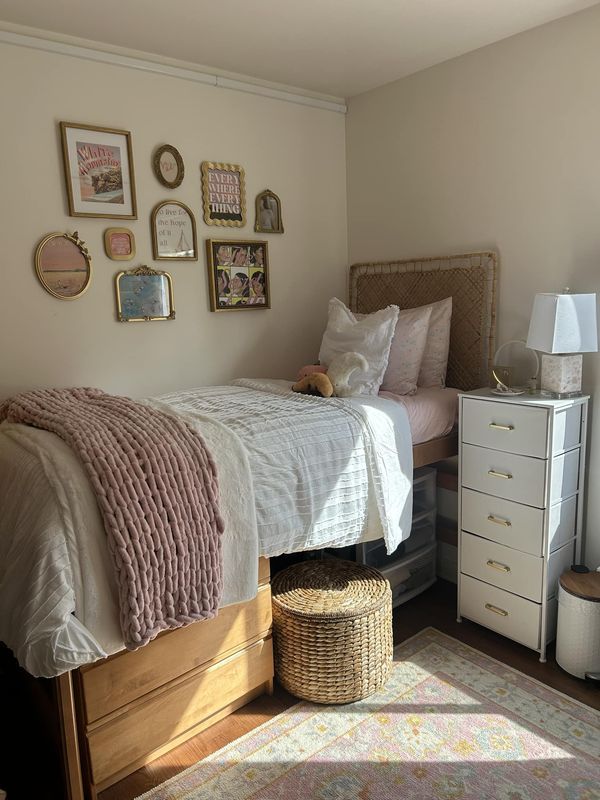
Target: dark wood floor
x=435, y=607
x=29, y=757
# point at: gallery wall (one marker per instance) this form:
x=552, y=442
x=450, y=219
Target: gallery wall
x=496, y=149
x=296, y=151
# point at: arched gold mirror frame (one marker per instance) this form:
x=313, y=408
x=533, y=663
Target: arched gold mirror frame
x=67, y=275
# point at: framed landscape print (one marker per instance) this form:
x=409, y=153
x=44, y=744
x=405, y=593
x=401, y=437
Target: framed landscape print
x=63, y=265
x=143, y=295
x=99, y=175
x=223, y=194
x=173, y=232
x=119, y=244
x=238, y=274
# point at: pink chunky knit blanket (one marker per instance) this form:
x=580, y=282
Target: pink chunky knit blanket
x=156, y=486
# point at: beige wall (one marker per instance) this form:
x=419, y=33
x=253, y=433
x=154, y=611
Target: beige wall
x=297, y=151
x=498, y=148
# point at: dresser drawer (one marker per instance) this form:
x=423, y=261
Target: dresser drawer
x=512, y=524
x=519, y=573
x=501, y=611
x=506, y=475
x=503, y=426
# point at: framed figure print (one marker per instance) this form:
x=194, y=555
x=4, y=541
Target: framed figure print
x=223, y=194
x=268, y=213
x=238, y=274
x=98, y=166
x=119, y=244
x=143, y=295
x=173, y=232
x=168, y=167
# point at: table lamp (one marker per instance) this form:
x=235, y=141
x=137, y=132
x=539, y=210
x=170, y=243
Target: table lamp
x=562, y=327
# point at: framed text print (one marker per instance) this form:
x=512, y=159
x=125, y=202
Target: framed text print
x=223, y=194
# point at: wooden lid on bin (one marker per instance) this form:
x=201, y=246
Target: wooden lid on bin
x=585, y=585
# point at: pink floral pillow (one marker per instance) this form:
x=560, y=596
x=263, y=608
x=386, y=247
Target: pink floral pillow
x=435, y=357
x=406, y=352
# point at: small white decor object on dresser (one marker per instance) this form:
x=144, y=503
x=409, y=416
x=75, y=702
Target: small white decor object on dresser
x=520, y=509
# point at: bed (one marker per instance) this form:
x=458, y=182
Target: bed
x=122, y=711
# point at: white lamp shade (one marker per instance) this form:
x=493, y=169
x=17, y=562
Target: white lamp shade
x=563, y=323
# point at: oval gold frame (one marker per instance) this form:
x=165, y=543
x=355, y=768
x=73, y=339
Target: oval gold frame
x=153, y=215
x=74, y=238
x=168, y=148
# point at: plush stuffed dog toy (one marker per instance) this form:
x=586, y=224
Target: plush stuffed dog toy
x=335, y=381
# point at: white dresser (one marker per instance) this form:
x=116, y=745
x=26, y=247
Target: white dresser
x=520, y=509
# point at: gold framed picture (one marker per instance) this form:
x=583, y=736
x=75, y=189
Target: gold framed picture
x=223, y=194
x=238, y=274
x=268, y=213
x=173, y=232
x=98, y=165
x=63, y=265
x=144, y=295
x=119, y=244
x=167, y=164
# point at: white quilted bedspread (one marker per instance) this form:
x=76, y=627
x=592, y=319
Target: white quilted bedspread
x=295, y=473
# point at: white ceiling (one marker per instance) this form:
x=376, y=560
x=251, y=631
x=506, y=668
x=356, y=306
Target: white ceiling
x=336, y=47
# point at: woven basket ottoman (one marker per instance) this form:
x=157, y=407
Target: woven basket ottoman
x=332, y=628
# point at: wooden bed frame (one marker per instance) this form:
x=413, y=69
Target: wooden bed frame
x=122, y=712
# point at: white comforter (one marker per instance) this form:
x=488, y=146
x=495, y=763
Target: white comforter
x=295, y=473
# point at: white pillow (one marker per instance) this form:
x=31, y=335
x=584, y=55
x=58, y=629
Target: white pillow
x=406, y=353
x=371, y=337
x=435, y=358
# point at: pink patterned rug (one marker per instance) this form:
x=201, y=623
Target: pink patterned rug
x=452, y=724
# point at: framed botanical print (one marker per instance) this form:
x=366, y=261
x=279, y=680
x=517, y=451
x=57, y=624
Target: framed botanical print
x=99, y=174
x=223, y=194
x=119, y=244
x=173, y=232
x=167, y=164
x=238, y=274
x=268, y=213
x=143, y=295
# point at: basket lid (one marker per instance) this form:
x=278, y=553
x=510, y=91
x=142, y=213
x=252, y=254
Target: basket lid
x=585, y=585
x=329, y=589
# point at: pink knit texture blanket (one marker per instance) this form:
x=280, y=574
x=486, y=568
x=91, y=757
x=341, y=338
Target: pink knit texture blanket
x=156, y=486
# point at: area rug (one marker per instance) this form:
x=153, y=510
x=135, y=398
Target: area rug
x=451, y=724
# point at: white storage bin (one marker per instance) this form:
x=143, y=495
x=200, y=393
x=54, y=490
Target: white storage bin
x=411, y=575
x=424, y=490
x=578, y=632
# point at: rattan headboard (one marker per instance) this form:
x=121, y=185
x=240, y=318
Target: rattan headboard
x=469, y=279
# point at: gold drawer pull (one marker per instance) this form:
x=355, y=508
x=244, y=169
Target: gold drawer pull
x=500, y=611
x=506, y=475
x=497, y=427
x=499, y=521
x=497, y=565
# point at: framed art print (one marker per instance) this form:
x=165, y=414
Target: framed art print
x=99, y=175
x=167, y=164
x=63, y=265
x=223, y=194
x=143, y=295
x=119, y=244
x=173, y=232
x=268, y=213
x=238, y=274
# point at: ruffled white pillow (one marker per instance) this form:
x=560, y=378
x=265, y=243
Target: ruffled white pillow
x=370, y=336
